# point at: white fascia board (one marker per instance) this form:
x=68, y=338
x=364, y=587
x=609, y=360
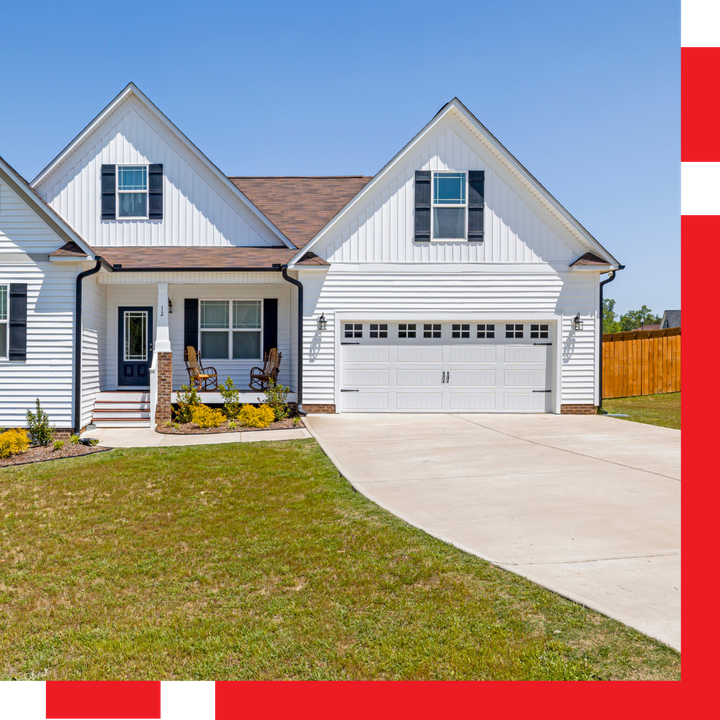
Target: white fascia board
x=21, y=186
x=498, y=149
x=132, y=89
x=453, y=268
x=69, y=259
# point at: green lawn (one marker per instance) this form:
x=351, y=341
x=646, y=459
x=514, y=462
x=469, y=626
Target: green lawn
x=661, y=410
x=259, y=561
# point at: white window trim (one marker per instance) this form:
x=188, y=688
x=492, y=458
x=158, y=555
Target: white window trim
x=6, y=357
x=230, y=328
x=119, y=192
x=433, y=205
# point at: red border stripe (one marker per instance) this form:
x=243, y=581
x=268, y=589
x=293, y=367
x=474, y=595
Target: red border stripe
x=700, y=104
x=126, y=700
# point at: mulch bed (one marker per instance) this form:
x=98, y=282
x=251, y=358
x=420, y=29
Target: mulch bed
x=41, y=453
x=192, y=429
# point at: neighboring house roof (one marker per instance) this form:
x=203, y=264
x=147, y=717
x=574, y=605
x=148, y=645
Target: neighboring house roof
x=654, y=326
x=589, y=259
x=201, y=258
x=498, y=150
x=301, y=206
x=23, y=188
x=670, y=319
x=132, y=89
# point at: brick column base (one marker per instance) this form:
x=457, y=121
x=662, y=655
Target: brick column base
x=164, y=388
x=578, y=409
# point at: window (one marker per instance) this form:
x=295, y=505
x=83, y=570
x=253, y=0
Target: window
x=486, y=331
x=432, y=331
x=353, y=330
x=136, y=349
x=378, y=330
x=539, y=331
x=132, y=195
x=3, y=322
x=461, y=331
x=449, y=206
x=407, y=330
x=513, y=331
x=223, y=337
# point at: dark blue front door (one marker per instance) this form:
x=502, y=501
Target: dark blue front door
x=135, y=332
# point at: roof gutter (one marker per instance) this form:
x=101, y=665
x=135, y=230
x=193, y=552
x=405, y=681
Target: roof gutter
x=299, y=286
x=613, y=273
x=78, y=338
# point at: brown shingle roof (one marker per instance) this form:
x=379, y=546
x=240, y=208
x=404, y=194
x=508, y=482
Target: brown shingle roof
x=69, y=249
x=300, y=206
x=590, y=259
x=202, y=258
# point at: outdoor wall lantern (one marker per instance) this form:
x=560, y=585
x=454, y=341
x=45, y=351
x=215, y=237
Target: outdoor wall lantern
x=169, y=305
x=322, y=323
x=577, y=322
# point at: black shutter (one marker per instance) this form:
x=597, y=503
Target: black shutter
x=107, y=185
x=192, y=323
x=476, y=204
x=270, y=324
x=18, y=322
x=155, y=192
x=423, y=200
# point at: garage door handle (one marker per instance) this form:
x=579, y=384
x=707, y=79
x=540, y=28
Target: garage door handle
x=542, y=343
x=542, y=390
x=342, y=343
x=349, y=390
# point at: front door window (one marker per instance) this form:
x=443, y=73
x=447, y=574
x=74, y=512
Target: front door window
x=136, y=347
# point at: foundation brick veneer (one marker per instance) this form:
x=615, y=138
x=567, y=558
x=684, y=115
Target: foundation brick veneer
x=578, y=409
x=164, y=390
x=314, y=409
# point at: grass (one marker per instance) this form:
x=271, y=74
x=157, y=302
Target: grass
x=663, y=410
x=259, y=561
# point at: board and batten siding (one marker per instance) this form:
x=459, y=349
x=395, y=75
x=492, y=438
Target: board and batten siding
x=198, y=208
x=518, y=228
x=94, y=345
x=457, y=294
x=128, y=289
x=47, y=374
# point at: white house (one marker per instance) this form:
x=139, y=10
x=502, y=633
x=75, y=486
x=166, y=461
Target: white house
x=451, y=281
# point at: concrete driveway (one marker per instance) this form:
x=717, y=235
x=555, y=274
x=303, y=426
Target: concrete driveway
x=586, y=506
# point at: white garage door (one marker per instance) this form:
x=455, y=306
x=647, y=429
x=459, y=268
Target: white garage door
x=446, y=367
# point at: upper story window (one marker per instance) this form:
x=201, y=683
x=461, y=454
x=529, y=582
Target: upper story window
x=449, y=204
x=3, y=322
x=132, y=190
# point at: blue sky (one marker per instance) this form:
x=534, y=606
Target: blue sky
x=585, y=94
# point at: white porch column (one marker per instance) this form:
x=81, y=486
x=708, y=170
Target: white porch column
x=162, y=335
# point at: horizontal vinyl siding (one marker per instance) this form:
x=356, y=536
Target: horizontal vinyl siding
x=94, y=346
x=198, y=208
x=518, y=228
x=47, y=373
x=462, y=293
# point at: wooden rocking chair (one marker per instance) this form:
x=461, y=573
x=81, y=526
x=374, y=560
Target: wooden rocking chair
x=200, y=378
x=260, y=377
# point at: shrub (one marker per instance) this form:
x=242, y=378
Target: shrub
x=41, y=432
x=231, y=398
x=276, y=400
x=13, y=442
x=187, y=400
x=93, y=441
x=232, y=425
x=74, y=439
x=260, y=416
x=205, y=417
x=58, y=445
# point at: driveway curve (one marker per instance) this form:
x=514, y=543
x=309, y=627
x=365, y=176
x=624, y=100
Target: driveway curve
x=586, y=506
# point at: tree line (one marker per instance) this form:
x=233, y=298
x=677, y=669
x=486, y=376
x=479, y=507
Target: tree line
x=631, y=320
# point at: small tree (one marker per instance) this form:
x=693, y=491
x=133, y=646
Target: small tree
x=187, y=400
x=610, y=322
x=633, y=319
x=276, y=399
x=231, y=398
x=39, y=428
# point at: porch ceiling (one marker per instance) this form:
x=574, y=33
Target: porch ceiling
x=201, y=258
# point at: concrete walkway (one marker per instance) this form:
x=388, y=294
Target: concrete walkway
x=586, y=506
x=147, y=437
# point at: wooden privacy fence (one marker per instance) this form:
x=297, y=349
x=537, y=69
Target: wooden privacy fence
x=641, y=362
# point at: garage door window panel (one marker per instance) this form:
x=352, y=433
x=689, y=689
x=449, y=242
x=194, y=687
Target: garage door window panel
x=407, y=330
x=513, y=330
x=432, y=330
x=539, y=331
x=461, y=331
x=353, y=330
x=485, y=331
x=378, y=330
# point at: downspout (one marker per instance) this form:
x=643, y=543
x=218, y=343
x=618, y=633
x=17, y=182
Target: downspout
x=78, y=339
x=602, y=286
x=299, y=286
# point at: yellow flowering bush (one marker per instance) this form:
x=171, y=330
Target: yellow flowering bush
x=259, y=417
x=205, y=417
x=13, y=442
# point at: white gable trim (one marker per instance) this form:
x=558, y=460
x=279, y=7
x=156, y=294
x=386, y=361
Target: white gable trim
x=456, y=109
x=17, y=183
x=133, y=90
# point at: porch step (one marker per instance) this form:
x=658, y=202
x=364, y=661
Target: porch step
x=124, y=408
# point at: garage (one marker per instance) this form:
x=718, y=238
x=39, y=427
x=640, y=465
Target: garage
x=462, y=366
